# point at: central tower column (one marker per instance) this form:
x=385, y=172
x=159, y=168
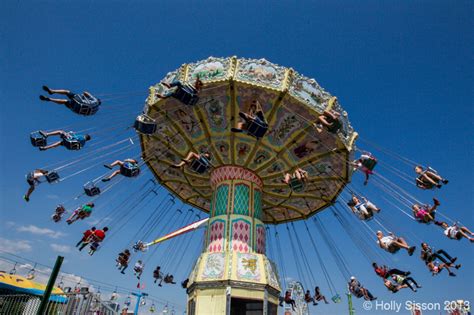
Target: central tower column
x=233, y=272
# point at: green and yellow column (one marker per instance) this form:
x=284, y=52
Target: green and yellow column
x=233, y=270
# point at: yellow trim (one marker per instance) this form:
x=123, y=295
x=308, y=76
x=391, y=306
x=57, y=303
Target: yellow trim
x=331, y=102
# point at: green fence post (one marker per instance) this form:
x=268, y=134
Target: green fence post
x=49, y=287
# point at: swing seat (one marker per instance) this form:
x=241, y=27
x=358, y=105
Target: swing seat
x=362, y=216
x=82, y=105
x=129, y=169
x=94, y=246
x=52, y=177
x=296, y=185
x=369, y=218
x=200, y=165
x=91, y=189
x=60, y=209
x=56, y=217
x=336, y=126
x=369, y=163
x=393, y=249
x=37, y=139
x=186, y=94
x=257, y=128
x=84, y=290
x=72, y=144
x=145, y=124
x=423, y=184
x=336, y=298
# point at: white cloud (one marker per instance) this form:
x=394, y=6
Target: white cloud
x=61, y=248
x=15, y=246
x=33, y=229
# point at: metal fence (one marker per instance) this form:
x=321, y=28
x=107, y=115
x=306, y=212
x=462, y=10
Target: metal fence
x=71, y=304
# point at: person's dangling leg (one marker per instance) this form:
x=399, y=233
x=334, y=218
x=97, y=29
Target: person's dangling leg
x=29, y=192
x=84, y=244
x=429, y=179
x=413, y=281
x=111, y=176
x=52, y=133
x=364, y=211
x=79, y=243
x=440, y=252
x=466, y=230
x=462, y=231
x=331, y=114
x=191, y=156
x=366, y=178
x=371, y=297
x=322, y=297
x=51, y=91
x=401, y=243
x=73, y=216
x=241, y=126
x=435, y=177
x=53, y=145
x=54, y=100
x=113, y=164
x=323, y=120
x=371, y=206
x=246, y=117
x=124, y=267
x=408, y=284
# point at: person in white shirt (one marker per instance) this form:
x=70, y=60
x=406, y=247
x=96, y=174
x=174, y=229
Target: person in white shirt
x=392, y=243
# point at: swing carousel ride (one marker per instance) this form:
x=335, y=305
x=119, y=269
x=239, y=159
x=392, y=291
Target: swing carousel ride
x=250, y=144
x=241, y=189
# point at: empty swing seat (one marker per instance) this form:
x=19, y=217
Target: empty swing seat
x=145, y=124
x=186, y=94
x=296, y=185
x=83, y=105
x=91, y=189
x=37, y=139
x=129, y=169
x=200, y=165
x=52, y=177
x=336, y=298
x=257, y=128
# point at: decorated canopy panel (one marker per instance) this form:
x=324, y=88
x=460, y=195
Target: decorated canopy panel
x=291, y=103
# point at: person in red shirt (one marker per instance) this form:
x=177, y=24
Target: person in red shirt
x=86, y=235
x=96, y=237
x=384, y=272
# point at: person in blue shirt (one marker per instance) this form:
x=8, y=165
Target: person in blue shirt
x=128, y=168
x=66, y=138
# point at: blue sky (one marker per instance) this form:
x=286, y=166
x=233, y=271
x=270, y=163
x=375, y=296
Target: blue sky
x=403, y=71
